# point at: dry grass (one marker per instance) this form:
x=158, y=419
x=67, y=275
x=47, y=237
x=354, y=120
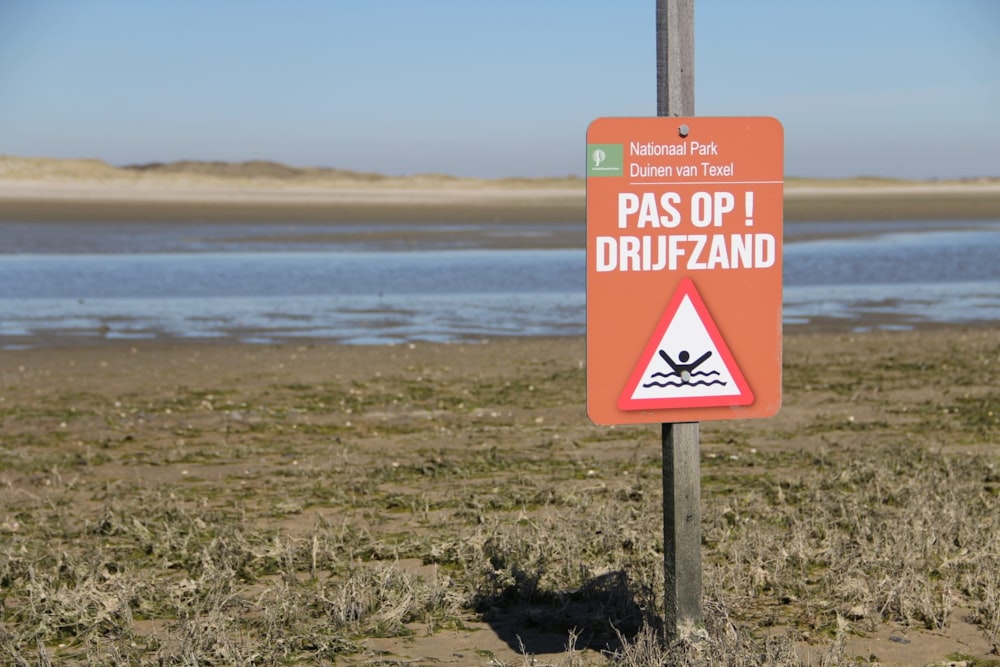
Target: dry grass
x=282, y=523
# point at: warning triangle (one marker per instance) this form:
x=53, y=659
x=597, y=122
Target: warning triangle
x=686, y=363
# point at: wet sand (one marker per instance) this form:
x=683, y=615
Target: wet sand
x=499, y=201
x=456, y=213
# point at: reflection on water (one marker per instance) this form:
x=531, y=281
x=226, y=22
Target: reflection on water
x=232, y=237
x=891, y=306
x=893, y=258
x=891, y=278
x=347, y=319
x=288, y=274
x=894, y=279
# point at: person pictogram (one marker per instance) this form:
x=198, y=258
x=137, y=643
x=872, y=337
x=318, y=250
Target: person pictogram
x=686, y=362
x=684, y=369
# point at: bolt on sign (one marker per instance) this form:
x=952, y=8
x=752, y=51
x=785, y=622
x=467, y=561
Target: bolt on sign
x=684, y=243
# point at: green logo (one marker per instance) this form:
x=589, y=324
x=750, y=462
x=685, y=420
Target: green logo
x=604, y=159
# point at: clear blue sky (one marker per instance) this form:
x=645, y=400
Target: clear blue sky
x=907, y=88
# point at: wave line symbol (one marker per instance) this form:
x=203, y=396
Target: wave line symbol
x=698, y=383
x=672, y=374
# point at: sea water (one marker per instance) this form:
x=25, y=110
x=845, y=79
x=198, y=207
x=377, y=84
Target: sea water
x=133, y=282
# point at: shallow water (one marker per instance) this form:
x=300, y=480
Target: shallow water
x=59, y=281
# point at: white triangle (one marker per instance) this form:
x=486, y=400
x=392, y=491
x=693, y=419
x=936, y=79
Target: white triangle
x=685, y=342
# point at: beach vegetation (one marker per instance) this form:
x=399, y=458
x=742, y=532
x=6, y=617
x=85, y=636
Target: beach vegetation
x=361, y=521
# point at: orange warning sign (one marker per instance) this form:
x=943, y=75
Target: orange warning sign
x=684, y=233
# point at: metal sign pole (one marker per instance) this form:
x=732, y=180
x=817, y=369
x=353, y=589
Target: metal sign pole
x=681, y=464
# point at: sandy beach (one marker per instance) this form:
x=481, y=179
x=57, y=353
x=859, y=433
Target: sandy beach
x=60, y=192
x=214, y=501
x=66, y=190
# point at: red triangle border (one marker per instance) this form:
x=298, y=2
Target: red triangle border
x=745, y=397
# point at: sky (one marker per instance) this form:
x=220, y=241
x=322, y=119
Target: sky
x=492, y=88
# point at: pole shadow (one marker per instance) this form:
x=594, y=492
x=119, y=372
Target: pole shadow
x=598, y=615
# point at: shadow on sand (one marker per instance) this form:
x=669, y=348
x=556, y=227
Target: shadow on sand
x=598, y=616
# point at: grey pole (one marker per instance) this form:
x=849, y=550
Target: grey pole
x=681, y=530
x=681, y=464
x=674, y=57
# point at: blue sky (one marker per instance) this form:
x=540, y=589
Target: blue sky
x=904, y=88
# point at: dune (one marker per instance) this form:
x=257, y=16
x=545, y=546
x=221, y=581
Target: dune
x=45, y=188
